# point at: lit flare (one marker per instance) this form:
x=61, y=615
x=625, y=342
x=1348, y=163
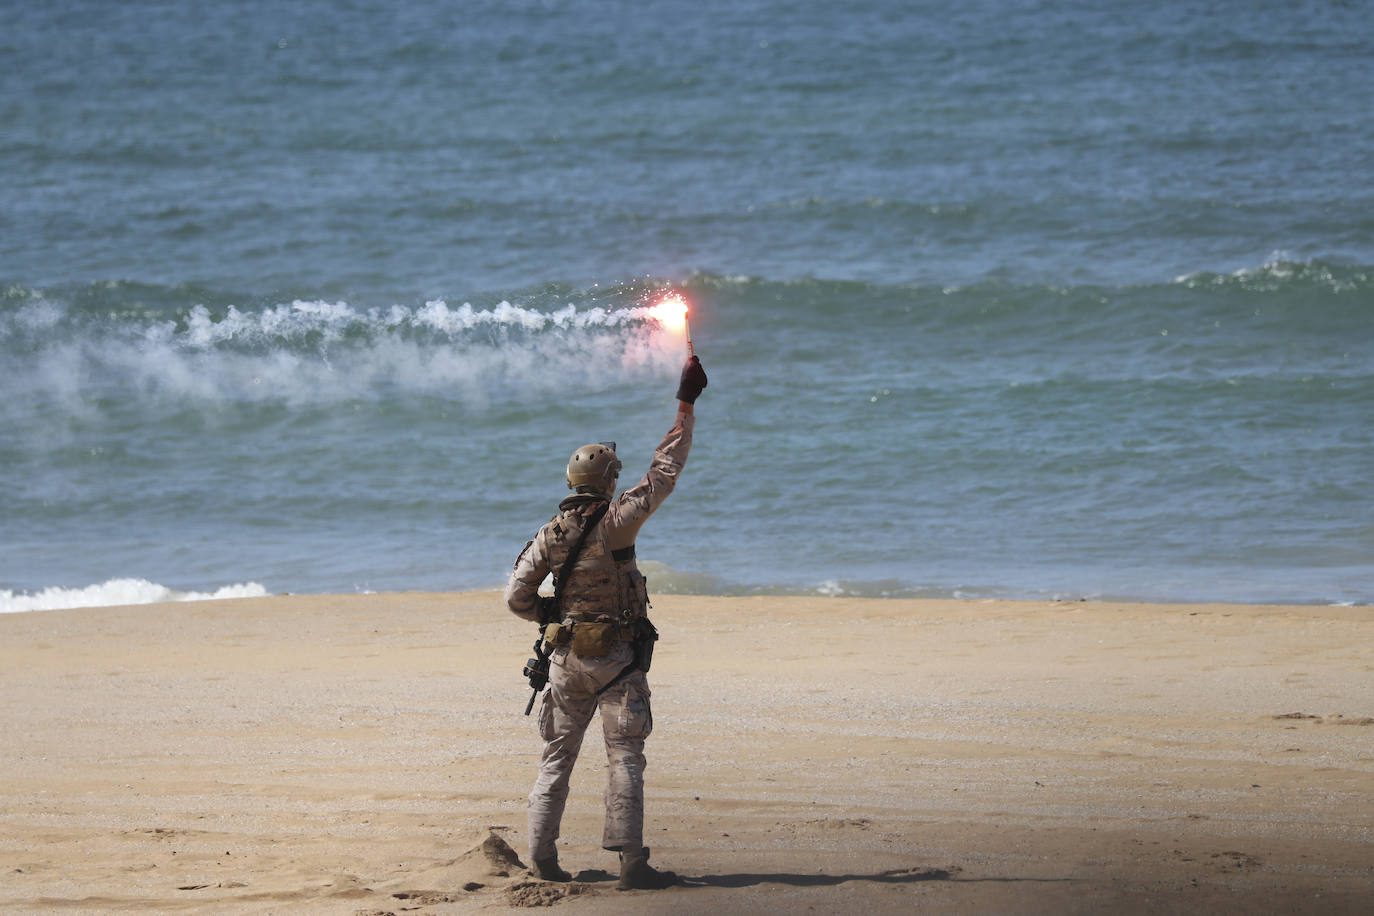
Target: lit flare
x=671, y=314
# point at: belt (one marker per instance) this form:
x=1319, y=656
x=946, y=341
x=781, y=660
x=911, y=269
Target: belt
x=561, y=633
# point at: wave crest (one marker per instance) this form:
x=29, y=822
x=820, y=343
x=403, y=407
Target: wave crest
x=115, y=592
x=1281, y=271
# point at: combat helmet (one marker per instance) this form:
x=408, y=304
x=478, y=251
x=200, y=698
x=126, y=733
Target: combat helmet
x=594, y=466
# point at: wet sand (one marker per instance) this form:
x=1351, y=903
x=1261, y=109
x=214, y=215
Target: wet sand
x=366, y=754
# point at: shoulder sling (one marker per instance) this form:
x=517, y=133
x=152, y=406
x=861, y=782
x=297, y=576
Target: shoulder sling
x=566, y=570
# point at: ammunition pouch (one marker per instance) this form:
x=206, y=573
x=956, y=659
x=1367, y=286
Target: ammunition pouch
x=589, y=638
x=592, y=639
x=558, y=634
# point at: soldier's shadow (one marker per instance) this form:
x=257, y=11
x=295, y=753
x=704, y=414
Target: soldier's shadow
x=751, y=879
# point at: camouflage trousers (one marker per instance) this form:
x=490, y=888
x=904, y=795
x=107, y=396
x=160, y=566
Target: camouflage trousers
x=626, y=720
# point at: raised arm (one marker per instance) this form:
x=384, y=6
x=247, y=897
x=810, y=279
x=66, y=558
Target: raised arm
x=632, y=508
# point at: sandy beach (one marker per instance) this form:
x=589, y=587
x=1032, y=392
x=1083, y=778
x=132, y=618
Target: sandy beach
x=366, y=754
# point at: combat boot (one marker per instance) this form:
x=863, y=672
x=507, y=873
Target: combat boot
x=548, y=870
x=636, y=874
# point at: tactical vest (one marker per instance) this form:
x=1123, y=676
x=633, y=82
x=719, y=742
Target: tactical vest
x=602, y=583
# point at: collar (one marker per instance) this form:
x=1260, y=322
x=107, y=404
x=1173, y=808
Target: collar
x=581, y=503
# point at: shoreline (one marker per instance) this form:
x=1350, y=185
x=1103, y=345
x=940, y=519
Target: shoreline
x=356, y=753
x=114, y=592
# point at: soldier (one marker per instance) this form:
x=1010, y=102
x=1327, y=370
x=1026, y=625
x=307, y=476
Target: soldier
x=601, y=638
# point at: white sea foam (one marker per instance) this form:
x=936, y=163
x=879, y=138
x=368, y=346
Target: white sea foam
x=313, y=352
x=117, y=592
x=1279, y=270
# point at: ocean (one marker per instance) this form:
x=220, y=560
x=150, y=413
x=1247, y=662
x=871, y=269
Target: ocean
x=997, y=299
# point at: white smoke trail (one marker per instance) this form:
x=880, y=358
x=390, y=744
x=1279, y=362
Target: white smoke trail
x=315, y=352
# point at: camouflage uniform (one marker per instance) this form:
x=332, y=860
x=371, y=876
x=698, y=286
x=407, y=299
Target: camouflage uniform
x=604, y=583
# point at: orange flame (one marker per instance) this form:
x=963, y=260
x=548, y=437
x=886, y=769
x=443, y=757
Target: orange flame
x=671, y=313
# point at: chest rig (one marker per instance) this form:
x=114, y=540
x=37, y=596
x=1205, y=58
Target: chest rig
x=601, y=584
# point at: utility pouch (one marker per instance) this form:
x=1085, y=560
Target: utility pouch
x=557, y=634
x=646, y=634
x=593, y=639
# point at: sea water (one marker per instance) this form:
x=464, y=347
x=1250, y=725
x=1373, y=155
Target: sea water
x=997, y=299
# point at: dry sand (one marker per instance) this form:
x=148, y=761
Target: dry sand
x=367, y=754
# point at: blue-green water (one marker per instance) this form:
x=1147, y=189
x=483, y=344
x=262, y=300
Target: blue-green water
x=1013, y=299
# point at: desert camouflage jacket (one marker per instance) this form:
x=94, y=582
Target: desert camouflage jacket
x=605, y=580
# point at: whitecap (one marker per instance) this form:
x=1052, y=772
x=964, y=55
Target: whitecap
x=114, y=592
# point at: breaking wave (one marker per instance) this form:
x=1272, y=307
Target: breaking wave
x=115, y=592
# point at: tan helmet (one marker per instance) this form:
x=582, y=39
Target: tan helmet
x=594, y=466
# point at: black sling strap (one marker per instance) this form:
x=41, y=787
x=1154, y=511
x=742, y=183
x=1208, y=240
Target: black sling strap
x=625, y=672
x=591, y=522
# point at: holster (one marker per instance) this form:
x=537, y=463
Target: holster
x=645, y=635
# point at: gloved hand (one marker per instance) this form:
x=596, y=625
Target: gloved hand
x=693, y=380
